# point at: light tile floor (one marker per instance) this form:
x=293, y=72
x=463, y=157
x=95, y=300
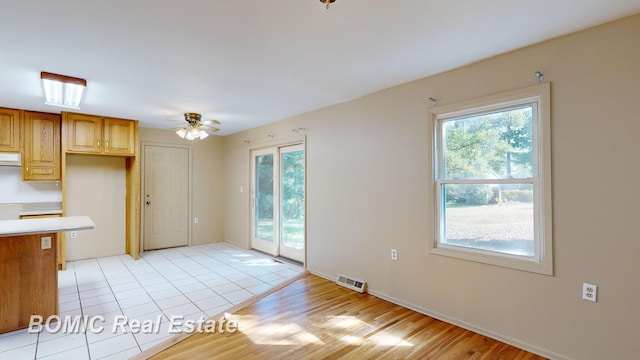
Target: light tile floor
x=198, y=281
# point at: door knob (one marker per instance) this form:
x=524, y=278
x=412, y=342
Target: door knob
x=148, y=202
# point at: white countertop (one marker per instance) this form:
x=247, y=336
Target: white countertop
x=44, y=225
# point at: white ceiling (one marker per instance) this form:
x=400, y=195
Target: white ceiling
x=250, y=62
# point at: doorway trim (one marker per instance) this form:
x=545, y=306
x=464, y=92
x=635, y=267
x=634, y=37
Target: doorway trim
x=141, y=200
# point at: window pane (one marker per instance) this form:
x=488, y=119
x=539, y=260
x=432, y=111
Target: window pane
x=292, y=167
x=496, y=145
x=264, y=197
x=490, y=217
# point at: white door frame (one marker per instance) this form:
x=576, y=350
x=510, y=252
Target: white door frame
x=275, y=149
x=143, y=144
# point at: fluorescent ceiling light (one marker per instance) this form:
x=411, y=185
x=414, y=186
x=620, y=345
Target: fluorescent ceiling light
x=63, y=91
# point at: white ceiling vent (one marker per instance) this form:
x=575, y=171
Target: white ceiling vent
x=351, y=283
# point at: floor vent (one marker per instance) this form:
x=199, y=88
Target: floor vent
x=351, y=283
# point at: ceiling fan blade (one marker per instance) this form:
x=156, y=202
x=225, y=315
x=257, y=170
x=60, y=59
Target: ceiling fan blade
x=172, y=124
x=209, y=122
x=210, y=128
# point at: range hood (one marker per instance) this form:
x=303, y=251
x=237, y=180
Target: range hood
x=10, y=159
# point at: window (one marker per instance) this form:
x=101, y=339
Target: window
x=492, y=180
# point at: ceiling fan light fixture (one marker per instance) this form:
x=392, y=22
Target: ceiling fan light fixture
x=189, y=135
x=195, y=128
x=181, y=132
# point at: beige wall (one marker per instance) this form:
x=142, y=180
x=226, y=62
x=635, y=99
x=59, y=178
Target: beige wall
x=369, y=190
x=207, y=181
x=96, y=188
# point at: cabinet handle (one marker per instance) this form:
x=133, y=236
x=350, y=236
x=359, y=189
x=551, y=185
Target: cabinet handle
x=27, y=170
x=98, y=143
x=107, y=144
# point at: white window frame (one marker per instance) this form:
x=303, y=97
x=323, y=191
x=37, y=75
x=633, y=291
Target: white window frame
x=542, y=260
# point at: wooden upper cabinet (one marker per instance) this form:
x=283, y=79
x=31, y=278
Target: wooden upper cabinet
x=91, y=134
x=41, y=139
x=9, y=130
x=119, y=136
x=84, y=133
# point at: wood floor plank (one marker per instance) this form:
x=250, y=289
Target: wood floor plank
x=313, y=318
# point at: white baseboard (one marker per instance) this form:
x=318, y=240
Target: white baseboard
x=463, y=324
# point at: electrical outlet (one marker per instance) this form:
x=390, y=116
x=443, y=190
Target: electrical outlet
x=195, y=220
x=394, y=254
x=45, y=242
x=74, y=234
x=589, y=292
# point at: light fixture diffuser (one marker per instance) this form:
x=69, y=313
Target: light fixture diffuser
x=63, y=91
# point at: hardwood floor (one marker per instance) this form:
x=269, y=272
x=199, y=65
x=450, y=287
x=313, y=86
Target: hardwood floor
x=313, y=318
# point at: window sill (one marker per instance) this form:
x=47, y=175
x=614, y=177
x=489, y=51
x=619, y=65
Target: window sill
x=497, y=259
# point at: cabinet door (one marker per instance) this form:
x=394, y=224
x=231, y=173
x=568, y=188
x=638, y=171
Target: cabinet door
x=119, y=137
x=84, y=133
x=41, y=146
x=29, y=281
x=9, y=130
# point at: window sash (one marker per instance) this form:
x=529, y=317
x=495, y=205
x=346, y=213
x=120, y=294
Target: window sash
x=491, y=109
x=441, y=238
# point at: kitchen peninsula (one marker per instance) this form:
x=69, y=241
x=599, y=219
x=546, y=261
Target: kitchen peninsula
x=28, y=268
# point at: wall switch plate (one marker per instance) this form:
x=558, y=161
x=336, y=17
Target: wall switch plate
x=74, y=234
x=195, y=220
x=394, y=254
x=45, y=242
x=589, y=292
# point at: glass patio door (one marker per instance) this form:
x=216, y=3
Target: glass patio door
x=278, y=201
x=292, y=207
x=264, y=191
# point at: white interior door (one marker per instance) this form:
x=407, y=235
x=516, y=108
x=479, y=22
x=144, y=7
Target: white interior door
x=278, y=201
x=166, y=197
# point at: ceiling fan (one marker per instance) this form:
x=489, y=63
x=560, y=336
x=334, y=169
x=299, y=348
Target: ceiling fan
x=327, y=2
x=195, y=127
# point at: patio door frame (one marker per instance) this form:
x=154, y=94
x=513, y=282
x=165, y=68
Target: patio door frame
x=275, y=248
